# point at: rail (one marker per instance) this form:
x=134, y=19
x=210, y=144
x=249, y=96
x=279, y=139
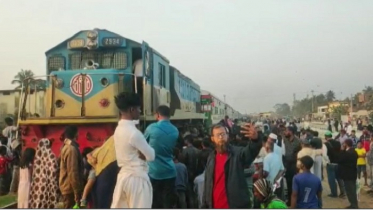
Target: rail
x=11, y=206
x=31, y=82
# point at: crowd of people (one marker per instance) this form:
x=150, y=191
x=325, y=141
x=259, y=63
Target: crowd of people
x=227, y=166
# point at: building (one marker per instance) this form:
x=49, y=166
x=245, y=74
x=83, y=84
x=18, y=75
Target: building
x=335, y=104
x=322, y=113
x=9, y=103
x=266, y=114
x=9, y=100
x=322, y=109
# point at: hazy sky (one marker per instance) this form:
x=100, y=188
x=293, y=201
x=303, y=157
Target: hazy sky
x=257, y=53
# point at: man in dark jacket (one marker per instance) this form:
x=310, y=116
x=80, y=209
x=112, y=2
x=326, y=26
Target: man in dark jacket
x=225, y=123
x=333, y=150
x=190, y=156
x=347, y=171
x=225, y=181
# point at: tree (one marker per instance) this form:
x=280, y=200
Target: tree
x=20, y=77
x=330, y=96
x=282, y=109
x=40, y=84
x=368, y=89
x=320, y=100
x=338, y=111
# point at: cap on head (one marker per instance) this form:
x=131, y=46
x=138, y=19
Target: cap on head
x=273, y=136
x=328, y=134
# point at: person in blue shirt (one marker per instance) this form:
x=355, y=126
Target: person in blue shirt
x=276, y=149
x=272, y=166
x=162, y=136
x=307, y=188
x=181, y=182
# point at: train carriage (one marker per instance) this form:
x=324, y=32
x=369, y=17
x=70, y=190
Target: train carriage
x=215, y=109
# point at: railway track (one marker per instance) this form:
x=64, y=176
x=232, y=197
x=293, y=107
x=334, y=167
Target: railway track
x=11, y=206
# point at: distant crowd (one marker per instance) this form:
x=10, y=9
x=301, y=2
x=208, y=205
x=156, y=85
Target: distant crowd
x=276, y=165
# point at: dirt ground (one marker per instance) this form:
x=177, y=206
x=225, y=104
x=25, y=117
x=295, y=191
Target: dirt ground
x=366, y=200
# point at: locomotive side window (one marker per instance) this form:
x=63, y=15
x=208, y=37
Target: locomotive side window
x=162, y=75
x=55, y=63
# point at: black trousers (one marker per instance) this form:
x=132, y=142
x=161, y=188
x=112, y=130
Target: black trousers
x=350, y=186
x=191, y=197
x=164, y=193
x=181, y=199
x=289, y=175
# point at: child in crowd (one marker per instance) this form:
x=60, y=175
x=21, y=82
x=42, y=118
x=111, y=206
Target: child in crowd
x=181, y=181
x=265, y=195
x=307, y=188
x=89, y=175
x=361, y=163
x=4, y=165
x=370, y=163
x=25, y=175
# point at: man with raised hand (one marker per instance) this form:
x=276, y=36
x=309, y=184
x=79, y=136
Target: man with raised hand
x=225, y=181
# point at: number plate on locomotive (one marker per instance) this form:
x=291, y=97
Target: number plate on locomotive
x=112, y=42
x=76, y=43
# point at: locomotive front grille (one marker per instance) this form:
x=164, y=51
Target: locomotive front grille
x=55, y=63
x=106, y=60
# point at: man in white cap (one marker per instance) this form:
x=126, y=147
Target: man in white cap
x=277, y=150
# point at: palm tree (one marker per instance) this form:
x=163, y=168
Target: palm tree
x=330, y=96
x=20, y=77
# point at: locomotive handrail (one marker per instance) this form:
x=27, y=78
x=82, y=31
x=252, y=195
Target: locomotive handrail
x=24, y=99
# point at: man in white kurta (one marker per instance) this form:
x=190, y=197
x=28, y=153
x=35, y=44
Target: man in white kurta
x=133, y=188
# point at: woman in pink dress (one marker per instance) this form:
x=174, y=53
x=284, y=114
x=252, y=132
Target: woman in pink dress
x=25, y=178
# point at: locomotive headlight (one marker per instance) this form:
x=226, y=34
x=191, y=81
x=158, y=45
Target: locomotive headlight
x=104, y=82
x=59, y=83
x=92, y=35
x=104, y=103
x=92, y=42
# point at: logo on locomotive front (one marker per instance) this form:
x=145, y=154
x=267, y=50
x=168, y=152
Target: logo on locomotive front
x=76, y=85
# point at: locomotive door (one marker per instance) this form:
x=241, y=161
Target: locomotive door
x=147, y=68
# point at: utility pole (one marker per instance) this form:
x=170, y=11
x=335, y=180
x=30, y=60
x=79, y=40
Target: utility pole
x=225, y=106
x=312, y=100
x=351, y=105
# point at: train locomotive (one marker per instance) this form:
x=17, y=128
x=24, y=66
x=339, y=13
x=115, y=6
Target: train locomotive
x=85, y=72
